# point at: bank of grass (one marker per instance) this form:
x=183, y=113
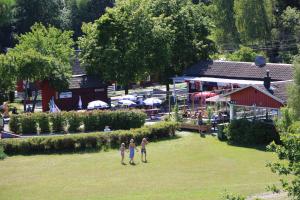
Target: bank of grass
x=189, y=167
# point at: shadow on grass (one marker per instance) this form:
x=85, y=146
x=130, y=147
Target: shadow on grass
x=89, y=150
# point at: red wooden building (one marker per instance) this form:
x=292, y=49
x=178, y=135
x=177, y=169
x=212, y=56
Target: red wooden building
x=81, y=85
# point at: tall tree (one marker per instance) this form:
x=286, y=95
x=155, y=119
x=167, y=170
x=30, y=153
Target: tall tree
x=6, y=23
x=138, y=37
x=44, y=53
x=47, y=12
x=252, y=20
x=294, y=90
x=225, y=31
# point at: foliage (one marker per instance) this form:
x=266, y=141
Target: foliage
x=176, y=116
x=245, y=132
x=285, y=121
x=2, y=154
x=160, y=38
x=74, y=121
x=8, y=78
x=14, y=124
x=245, y=54
x=221, y=132
x=28, y=124
x=225, y=32
x=43, y=122
x=252, y=20
x=288, y=153
x=294, y=90
x=79, y=142
x=70, y=121
x=233, y=197
x=58, y=121
x=210, y=113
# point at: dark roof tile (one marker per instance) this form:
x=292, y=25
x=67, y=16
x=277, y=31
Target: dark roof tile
x=240, y=70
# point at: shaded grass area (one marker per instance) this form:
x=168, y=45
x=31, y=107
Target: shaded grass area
x=189, y=167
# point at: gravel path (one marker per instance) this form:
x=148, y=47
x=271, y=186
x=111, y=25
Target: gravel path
x=270, y=196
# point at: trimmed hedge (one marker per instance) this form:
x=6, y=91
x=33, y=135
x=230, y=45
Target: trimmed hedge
x=71, y=121
x=245, y=132
x=84, y=141
x=2, y=154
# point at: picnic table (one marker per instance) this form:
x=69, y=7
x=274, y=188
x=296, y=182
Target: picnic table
x=152, y=112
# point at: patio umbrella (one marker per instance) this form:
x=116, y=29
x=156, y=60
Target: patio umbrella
x=128, y=97
x=126, y=103
x=79, y=103
x=97, y=105
x=152, y=101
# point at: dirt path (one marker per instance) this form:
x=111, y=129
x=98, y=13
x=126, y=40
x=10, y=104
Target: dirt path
x=270, y=196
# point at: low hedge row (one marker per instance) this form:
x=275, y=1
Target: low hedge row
x=31, y=123
x=245, y=132
x=84, y=141
x=2, y=154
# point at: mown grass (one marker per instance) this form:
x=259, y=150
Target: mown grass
x=190, y=167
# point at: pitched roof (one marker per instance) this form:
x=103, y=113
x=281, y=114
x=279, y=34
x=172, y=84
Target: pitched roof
x=279, y=89
x=84, y=81
x=76, y=68
x=240, y=70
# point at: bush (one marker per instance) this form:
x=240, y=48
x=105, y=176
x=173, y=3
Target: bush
x=221, y=132
x=2, y=154
x=58, y=121
x=28, y=124
x=79, y=142
x=74, y=121
x=43, y=122
x=90, y=121
x=14, y=124
x=245, y=132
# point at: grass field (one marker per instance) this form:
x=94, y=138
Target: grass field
x=189, y=167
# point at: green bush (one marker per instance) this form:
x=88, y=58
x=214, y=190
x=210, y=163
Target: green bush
x=58, y=121
x=79, y=142
x=221, y=132
x=28, y=124
x=247, y=132
x=2, y=154
x=74, y=121
x=71, y=121
x=43, y=122
x=14, y=124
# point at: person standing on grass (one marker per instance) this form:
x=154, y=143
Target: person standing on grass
x=122, y=150
x=132, y=147
x=143, y=149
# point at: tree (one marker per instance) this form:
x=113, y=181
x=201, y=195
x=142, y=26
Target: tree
x=294, y=90
x=245, y=54
x=43, y=54
x=86, y=11
x=187, y=40
x=6, y=23
x=252, y=20
x=140, y=37
x=8, y=78
x=225, y=31
x=47, y=12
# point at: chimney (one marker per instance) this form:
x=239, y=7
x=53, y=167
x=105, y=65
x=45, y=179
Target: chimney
x=267, y=80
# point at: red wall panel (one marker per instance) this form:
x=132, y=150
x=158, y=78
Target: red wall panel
x=251, y=96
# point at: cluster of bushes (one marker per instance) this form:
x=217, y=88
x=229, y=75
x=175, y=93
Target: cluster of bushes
x=32, y=123
x=245, y=132
x=85, y=141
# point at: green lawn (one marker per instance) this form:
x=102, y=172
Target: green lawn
x=190, y=167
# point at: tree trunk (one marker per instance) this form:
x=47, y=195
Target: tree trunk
x=126, y=87
x=34, y=100
x=25, y=95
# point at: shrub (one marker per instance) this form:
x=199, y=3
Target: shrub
x=28, y=124
x=2, y=154
x=221, y=131
x=79, y=142
x=74, y=121
x=90, y=121
x=245, y=132
x=14, y=124
x=58, y=121
x=43, y=122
